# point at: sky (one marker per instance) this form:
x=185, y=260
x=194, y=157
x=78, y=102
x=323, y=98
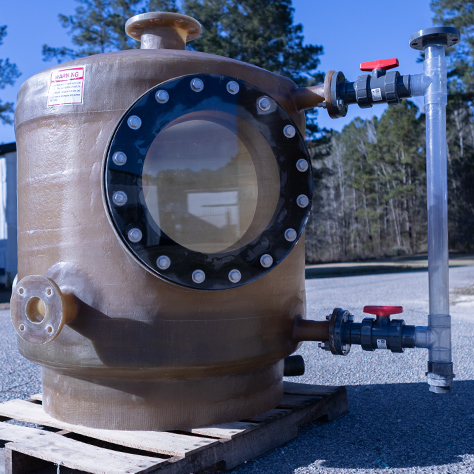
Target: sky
x=350, y=33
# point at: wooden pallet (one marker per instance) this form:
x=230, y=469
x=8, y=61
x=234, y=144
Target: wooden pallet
x=208, y=449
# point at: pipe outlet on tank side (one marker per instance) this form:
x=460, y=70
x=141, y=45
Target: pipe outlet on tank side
x=39, y=309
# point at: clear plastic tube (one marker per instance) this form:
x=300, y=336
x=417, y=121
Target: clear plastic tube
x=436, y=98
x=437, y=336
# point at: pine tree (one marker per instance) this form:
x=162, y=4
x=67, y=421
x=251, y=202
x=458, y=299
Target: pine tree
x=259, y=32
x=96, y=27
x=460, y=15
x=8, y=74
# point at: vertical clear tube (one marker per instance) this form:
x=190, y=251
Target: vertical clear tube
x=437, y=193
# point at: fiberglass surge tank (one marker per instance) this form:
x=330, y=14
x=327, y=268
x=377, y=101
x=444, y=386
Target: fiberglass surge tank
x=162, y=197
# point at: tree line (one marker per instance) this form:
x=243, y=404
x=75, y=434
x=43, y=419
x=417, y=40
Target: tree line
x=369, y=180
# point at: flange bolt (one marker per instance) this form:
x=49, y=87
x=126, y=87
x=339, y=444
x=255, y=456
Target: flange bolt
x=135, y=235
x=197, y=85
x=289, y=131
x=119, y=158
x=266, y=260
x=302, y=200
x=198, y=276
x=119, y=198
x=264, y=103
x=302, y=165
x=235, y=276
x=134, y=122
x=232, y=87
x=162, y=96
x=163, y=262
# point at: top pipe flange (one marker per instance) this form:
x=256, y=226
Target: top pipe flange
x=438, y=35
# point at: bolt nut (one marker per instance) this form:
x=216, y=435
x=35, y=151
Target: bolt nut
x=235, y=276
x=198, y=276
x=162, y=96
x=289, y=131
x=302, y=200
x=119, y=158
x=340, y=103
x=197, y=86
x=119, y=198
x=290, y=235
x=135, y=235
x=322, y=104
x=232, y=87
x=264, y=103
x=134, y=122
x=163, y=262
x=302, y=165
x=266, y=260
x=328, y=317
x=350, y=318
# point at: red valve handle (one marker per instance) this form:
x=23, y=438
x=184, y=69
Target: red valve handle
x=383, y=311
x=379, y=64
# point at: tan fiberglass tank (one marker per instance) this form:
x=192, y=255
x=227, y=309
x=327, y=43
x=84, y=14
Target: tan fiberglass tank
x=163, y=194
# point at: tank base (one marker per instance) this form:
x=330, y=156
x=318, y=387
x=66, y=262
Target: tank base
x=164, y=404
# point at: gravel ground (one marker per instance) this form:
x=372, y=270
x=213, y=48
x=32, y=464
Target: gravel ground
x=395, y=424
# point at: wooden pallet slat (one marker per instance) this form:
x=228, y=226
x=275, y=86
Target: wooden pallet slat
x=225, y=430
x=221, y=447
x=160, y=442
x=74, y=454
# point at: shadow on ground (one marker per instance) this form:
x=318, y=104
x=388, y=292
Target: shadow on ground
x=392, y=425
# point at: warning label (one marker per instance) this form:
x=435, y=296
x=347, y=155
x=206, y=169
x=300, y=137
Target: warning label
x=66, y=87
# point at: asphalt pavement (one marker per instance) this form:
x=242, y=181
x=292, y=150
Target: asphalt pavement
x=395, y=424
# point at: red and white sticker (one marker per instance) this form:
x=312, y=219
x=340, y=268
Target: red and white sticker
x=66, y=86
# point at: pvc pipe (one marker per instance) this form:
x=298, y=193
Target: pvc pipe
x=437, y=336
